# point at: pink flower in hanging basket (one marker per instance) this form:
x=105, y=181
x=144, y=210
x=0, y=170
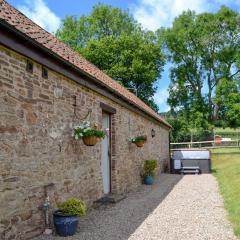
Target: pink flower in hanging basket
x=106, y=131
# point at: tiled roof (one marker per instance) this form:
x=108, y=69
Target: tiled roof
x=23, y=24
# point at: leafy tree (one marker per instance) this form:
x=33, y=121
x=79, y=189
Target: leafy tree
x=187, y=126
x=203, y=49
x=112, y=40
x=228, y=101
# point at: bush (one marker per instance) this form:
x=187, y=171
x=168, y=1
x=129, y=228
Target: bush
x=149, y=167
x=73, y=206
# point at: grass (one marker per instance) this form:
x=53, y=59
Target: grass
x=226, y=168
x=226, y=129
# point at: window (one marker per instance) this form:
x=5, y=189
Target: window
x=29, y=66
x=44, y=72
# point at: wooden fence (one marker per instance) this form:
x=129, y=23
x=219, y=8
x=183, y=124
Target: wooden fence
x=207, y=144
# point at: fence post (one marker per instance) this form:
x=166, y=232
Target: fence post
x=191, y=139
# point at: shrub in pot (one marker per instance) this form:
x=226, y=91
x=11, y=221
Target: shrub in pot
x=89, y=135
x=149, y=171
x=66, y=218
x=139, y=141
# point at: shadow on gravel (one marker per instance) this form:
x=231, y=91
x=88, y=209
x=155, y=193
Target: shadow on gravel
x=120, y=220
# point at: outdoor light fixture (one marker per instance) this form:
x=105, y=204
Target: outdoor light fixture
x=153, y=133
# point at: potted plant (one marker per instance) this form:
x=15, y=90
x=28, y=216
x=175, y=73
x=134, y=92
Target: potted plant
x=67, y=216
x=89, y=135
x=139, y=141
x=149, y=171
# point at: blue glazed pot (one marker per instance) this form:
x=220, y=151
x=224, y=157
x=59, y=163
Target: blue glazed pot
x=148, y=180
x=65, y=225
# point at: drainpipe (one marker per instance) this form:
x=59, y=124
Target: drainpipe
x=170, y=161
x=46, y=206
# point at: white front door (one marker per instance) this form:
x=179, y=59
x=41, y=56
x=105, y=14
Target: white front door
x=105, y=163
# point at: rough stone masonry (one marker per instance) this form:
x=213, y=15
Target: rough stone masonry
x=38, y=155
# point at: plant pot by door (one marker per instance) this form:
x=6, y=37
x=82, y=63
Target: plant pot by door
x=90, y=141
x=148, y=180
x=65, y=225
x=140, y=143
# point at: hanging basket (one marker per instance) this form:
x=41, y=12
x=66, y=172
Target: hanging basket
x=90, y=141
x=140, y=143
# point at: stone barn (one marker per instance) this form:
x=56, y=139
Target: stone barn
x=45, y=89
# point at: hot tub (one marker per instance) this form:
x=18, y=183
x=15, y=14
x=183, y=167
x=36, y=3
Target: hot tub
x=191, y=158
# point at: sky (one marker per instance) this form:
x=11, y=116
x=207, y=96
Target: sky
x=152, y=14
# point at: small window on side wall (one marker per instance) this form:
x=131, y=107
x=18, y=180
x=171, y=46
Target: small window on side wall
x=29, y=66
x=44, y=72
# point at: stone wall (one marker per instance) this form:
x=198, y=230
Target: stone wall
x=38, y=155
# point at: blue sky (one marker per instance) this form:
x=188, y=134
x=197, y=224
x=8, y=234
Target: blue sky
x=152, y=14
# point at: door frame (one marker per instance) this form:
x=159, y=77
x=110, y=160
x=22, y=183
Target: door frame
x=110, y=149
x=110, y=111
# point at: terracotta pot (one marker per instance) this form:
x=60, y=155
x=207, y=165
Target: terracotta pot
x=90, y=141
x=140, y=143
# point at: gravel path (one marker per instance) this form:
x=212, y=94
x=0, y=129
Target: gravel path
x=174, y=208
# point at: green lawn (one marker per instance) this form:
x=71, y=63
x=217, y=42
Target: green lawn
x=227, y=129
x=226, y=168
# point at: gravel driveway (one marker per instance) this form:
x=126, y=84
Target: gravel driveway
x=175, y=207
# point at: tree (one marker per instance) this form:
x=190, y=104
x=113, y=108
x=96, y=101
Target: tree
x=203, y=49
x=189, y=126
x=112, y=40
x=228, y=101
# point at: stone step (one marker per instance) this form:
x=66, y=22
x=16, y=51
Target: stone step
x=109, y=199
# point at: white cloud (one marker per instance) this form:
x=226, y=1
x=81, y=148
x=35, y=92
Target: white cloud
x=38, y=11
x=153, y=14
x=160, y=98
